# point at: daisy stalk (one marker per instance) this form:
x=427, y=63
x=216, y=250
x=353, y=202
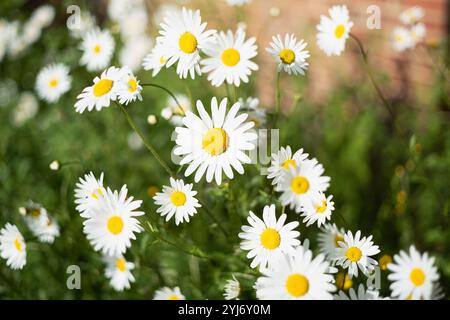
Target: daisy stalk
x=365, y=58
x=167, y=91
x=147, y=144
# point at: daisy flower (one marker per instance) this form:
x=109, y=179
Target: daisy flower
x=35, y=215
x=229, y=58
x=402, y=39
x=301, y=184
x=48, y=232
x=118, y=270
x=329, y=237
x=232, y=289
x=52, y=82
x=129, y=89
x=318, y=210
x=167, y=293
x=177, y=200
x=296, y=277
x=418, y=33
x=183, y=35
x=256, y=114
x=238, y=2
x=268, y=239
x=355, y=253
x=101, y=93
x=113, y=222
x=155, y=60
x=98, y=48
x=282, y=161
x=13, y=247
x=212, y=144
x=334, y=30
x=174, y=112
x=87, y=192
x=361, y=294
x=412, y=15
x=413, y=275
x=290, y=54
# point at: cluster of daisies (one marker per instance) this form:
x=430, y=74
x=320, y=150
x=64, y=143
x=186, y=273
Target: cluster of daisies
x=42, y=226
x=412, y=33
x=110, y=224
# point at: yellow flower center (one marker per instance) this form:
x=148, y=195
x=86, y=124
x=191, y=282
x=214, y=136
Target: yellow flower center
x=35, y=213
x=97, y=49
x=151, y=191
x=102, y=87
x=384, y=261
x=339, y=32
x=96, y=193
x=343, y=281
x=270, y=239
x=53, y=83
x=132, y=85
x=287, y=56
x=337, y=238
x=398, y=38
x=287, y=163
x=299, y=185
x=174, y=297
x=18, y=245
x=188, y=43
x=417, y=277
x=353, y=254
x=215, y=141
x=115, y=225
x=322, y=207
x=162, y=60
x=178, y=198
x=121, y=264
x=230, y=57
x=297, y=285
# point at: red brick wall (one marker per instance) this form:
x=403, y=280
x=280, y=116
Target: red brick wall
x=408, y=70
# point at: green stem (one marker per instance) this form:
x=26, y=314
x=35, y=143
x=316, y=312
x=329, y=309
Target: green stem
x=371, y=76
x=235, y=93
x=173, y=244
x=146, y=143
x=277, y=99
x=167, y=91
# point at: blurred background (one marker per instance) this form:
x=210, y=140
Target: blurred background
x=390, y=173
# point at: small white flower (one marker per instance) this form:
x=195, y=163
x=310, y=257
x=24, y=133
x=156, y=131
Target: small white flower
x=418, y=33
x=182, y=36
x=413, y=275
x=268, y=239
x=174, y=112
x=101, y=93
x=318, y=209
x=329, y=238
x=355, y=253
x=129, y=88
x=118, y=270
x=177, y=200
x=52, y=82
x=412, y=15
x=54, y=165
x=282, y=161
x=167, y=293
x=297, y=277
x=87, y=192
x=402, y=39
x=113, y=223
x=229, y=58
x=48, y=232
x=216, y=143
x=98, y=48
x=290, y=54
x=232, y=289
x=155, y=60
x=334, y=30
x=13, y=247
x=302, y=184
